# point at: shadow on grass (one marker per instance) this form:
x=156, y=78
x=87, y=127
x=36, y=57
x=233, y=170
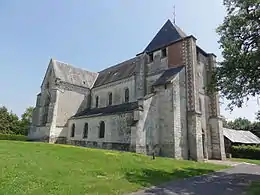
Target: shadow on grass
x=226, y=182
x=148, y=177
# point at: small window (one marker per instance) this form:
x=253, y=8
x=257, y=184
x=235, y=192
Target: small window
x=151, y=57
x=47, y=85
x=85, y=133
x=72, y=133
x=110, y=99
x=102, y=129
x=164, y=53
x=127, y=95
x=97, y=99
x=84, y=82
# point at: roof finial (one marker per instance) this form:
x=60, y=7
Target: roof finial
x=174, y=15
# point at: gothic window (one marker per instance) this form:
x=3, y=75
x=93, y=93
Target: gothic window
x=126, y=95
x=110, y=99
x=151, y=57
x=72, y=133
x=164, y=53
x=97, y=99
x=85, y=133
x=102, y=129
x=46, y=110
x=200, y=105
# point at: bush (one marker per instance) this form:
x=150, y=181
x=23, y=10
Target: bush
x=249, y=152
x=13, y=137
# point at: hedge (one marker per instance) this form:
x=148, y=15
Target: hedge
x=13, y=137
x=249, y=152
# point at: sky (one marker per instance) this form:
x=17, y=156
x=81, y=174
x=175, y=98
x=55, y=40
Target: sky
x=92, y=35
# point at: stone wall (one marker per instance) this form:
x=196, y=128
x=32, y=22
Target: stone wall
x=158, y=64
x=69, y=103
x=38, y=132
x=117, y=128
x=118, y=92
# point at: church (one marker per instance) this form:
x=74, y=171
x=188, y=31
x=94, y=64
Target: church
x=153, y=104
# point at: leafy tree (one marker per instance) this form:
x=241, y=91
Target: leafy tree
x=26, y=121
x=237, y=76
x=9, y=122
x=258, y=116
x=238, y=124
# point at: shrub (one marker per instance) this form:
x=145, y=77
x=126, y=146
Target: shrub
x=13, y=137
x=249, y=152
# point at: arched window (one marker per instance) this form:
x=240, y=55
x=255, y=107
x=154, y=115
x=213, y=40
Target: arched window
x=200, y=105
x=126, y=95
x=102, y=129
x=85, y=133
x=110, y=99
x=72, y=133
x=97, y=99
x=46, y=110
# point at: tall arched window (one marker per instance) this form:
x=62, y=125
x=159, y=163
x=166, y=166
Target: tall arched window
x=85, y=132
x=110, y=99
x=97, y=99
x=126, y=95
x=102, y=129
x=200, y=105
x=72, y=133
x=46, y=110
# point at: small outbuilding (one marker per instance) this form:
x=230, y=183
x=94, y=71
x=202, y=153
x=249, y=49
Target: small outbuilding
x=239, y=137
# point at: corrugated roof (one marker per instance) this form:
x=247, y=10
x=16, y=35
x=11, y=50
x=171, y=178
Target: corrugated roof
x=167, y=76
x=167, y=34
x=238, y=136
x=120, y=71
x=126, y=107
x=73, y=75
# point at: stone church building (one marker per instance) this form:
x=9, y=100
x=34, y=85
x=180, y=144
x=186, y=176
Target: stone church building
x=154, y=103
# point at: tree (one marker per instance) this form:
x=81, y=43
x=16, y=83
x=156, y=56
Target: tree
x=25, y=121
x=237, y=76
x=238, y=124
x=9, y=122
x=258, y=116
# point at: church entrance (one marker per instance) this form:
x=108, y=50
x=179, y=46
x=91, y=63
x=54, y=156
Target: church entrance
x=204, y=144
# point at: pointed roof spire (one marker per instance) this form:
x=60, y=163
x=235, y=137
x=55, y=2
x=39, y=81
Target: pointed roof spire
x=167, y=34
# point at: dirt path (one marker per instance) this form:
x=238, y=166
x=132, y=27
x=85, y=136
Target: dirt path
x=233, y=181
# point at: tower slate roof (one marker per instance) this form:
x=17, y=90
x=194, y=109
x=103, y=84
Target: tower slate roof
x=169, y=33
x=73, y=75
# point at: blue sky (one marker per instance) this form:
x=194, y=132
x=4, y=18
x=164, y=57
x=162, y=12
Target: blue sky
x=91, y=35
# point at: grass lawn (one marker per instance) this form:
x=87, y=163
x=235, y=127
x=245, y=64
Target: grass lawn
x=246, y=160
x=39, y=168
x=254, y=189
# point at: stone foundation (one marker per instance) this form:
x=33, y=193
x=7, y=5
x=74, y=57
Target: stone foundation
x=101, y=145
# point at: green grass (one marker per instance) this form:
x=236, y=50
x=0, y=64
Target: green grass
x=257, y=162
x=254, y=189
x=38, y=168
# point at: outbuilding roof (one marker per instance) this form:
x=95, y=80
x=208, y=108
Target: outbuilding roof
x=238, y=136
